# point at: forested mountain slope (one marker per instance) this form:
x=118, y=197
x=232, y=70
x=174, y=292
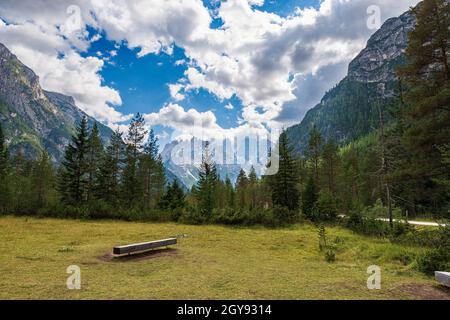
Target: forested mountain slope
x=349, y=110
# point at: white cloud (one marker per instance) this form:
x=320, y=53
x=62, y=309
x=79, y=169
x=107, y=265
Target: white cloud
x=202, y=125
x=34, y=37
x=229, y=106
x=254, y=55
x=175, y=92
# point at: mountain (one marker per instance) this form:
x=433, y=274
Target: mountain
x=34, y=119
x=350, y=109
x=177, y=157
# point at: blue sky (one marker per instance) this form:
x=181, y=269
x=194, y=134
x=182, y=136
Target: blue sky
x=237, y=67
x=143, y=81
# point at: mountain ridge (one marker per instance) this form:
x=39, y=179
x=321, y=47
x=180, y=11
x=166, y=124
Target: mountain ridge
x=35, y=119
x=349, y=110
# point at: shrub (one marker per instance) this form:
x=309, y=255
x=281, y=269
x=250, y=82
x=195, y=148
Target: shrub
x=193, y=216
x=330, y=253
x=326, y=209
x=322, y=237
x=434, y=260
x=284, y=216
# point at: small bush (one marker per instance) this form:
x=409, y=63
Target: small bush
x=330, y=253
x=326, y=209
x=284, y=216
x=193, y=216
x=434, y=260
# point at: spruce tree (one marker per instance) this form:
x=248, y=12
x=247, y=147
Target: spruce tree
x=42, y=182
x=174, y=197
x=284, y=183
x=253, y=185
x=131, y=188
x=74, y=175
x=109, y=176
x=151, y=173
x=314, y=151
x=309, y=199
x=427, y=76
x=330, y=166
x=93, y=158
x=241, y=189
x=206, y=186
x=230, y=193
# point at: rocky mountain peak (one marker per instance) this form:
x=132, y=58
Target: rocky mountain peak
x=33, y=119
x=384, y=50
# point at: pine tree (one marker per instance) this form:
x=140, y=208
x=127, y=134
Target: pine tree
x=131, y=188
x=42, y=182
x=174, y=197
x=314, y=151
x=330, y=165
x=241, y=189
x=427, y=76
x=310, y=198
x=93, y=157
x=74, y=175
x=206, y=186
x=109, y=176
x=253, y=185
x=4, y=174
x=230, y=193
x=284, y=183
x=151, y=172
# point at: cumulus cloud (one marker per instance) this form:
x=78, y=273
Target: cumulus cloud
x=203, y=125
x=271, y=63
x=41, y=40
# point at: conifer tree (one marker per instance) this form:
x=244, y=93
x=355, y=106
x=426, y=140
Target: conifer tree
x=206, y=186
x=253, y=188
x=73, y=175
x=241, y=189
x=109, y=176
x=314, y=151
x=284, y=183
x=42, y=182
x=131, y=188
x=330, y=165
x=174, y=197
x=427, y=76
x=230, y=193
x=93, y=158
x=309, y=199
x=151, y=173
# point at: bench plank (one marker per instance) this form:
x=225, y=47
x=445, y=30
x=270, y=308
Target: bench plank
x=143, y=246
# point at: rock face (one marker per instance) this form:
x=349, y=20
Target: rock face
x=349, y=110
x=385, y=50
x=34, y=119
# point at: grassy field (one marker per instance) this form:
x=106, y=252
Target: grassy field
x=209, y=262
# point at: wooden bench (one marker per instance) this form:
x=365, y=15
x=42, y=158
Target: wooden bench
x=144, y=246
x=442, y=277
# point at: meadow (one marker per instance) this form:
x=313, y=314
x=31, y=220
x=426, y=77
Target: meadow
x=209, y=262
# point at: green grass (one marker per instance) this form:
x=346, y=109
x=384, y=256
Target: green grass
x=210, y=262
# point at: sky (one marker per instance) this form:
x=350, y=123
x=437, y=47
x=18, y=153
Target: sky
x=193, y=68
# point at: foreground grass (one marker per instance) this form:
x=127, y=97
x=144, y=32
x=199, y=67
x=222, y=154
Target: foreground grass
x=210, y=262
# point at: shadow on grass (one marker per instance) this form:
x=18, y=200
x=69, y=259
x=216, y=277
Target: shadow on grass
x=146, y=255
